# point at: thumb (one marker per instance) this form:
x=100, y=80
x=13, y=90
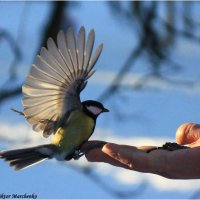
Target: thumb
x=188, y=133
x=128, y=155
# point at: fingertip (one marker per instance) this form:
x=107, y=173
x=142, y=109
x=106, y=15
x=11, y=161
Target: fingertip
x=185, y=133
x=181, y=133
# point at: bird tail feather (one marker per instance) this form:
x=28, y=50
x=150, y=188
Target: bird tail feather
x=23, y=158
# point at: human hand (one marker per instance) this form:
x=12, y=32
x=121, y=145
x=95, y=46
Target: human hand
x=118, y=155
x=181, y=164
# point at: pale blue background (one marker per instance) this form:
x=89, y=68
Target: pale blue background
x=156, y=112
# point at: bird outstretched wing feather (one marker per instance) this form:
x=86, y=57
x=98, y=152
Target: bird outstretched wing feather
x=57, y=77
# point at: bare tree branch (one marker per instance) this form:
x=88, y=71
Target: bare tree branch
x=50, y=30
x=8, y=93
x=15, y=50
x=126, y=67
x=196, y=194
x=116, y=193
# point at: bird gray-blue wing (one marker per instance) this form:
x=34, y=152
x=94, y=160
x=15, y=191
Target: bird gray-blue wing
x=58, y=75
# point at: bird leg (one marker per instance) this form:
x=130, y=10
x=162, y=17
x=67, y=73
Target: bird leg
x=79, y=153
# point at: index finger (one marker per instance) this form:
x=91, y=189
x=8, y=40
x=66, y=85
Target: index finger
x=97, y=155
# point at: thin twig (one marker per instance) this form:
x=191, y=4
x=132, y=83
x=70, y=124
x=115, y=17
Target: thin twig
x=5, y=94
x=120, y=75
x=116, y=193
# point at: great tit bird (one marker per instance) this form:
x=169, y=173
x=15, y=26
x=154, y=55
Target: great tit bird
x=51, y=99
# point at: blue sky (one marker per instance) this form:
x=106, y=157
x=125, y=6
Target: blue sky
x=156, y=111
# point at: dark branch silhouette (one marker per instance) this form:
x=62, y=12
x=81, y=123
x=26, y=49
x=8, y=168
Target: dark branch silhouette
x=157, y=46
x=14, y=47
x=51, y=30
x=128, y=64
x=88, y=171
x=7, y=93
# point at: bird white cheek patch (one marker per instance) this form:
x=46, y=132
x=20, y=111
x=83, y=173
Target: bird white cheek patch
x=95, y=110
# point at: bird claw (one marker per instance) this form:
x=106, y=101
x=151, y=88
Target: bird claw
x=77, y=154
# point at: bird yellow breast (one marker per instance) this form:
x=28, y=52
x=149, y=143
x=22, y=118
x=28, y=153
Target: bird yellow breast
x=76, y=130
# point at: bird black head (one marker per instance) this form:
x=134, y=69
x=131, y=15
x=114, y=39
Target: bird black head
x=93, y=108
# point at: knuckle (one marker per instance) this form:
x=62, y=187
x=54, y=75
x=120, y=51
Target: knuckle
x=130, y=165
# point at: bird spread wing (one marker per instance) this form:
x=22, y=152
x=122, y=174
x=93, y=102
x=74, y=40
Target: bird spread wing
x=53, y=85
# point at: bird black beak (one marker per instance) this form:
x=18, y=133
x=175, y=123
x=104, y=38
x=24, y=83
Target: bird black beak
x=105, y=110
